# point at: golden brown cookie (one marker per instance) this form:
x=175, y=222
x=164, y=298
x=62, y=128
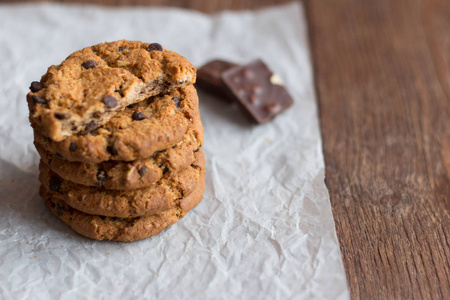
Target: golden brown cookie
x=136, y=132
x=124, y=230
x=87, y=89
x=120, y=175
x=158, y=197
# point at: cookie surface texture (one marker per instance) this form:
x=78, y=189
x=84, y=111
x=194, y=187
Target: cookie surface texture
x=119, y=229
x=128, y=175
x=156, y=198
x=91, y=85
x=138, y=131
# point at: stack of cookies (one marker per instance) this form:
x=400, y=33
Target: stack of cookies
x=119, y=133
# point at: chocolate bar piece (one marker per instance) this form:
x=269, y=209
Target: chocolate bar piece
x=258, y=90
x=209, y=78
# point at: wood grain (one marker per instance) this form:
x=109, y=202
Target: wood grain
x=382, y=72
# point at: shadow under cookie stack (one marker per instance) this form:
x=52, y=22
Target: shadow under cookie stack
x=119, y=133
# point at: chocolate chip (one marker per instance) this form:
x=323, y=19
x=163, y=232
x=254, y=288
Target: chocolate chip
x=120, y=92
x=62, y=116
x=134, y=105
x=58, y=155
x=153, y=47
x=59, y=209
x=196, y=150
x=89, y=64
x=138, y=116
x=38, y=100
x=177, y=101
x=36, y=86
x=142, y=171
x=54, y=184
x=111, y=150
x=101, y=177
x=165, y=170
x=110, y=101
x=91, y=126
x=73, y=147
x=121, y=48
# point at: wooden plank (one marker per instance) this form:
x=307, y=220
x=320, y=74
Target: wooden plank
x=382, y=72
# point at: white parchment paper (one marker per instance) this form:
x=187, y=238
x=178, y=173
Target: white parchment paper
x=264, y=229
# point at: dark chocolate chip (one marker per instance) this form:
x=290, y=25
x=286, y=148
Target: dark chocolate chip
x=110, y=101
x=59, y=209
x=91, y=126
x=89, y=64
x=138, y=116
x=165, y=170
x=111, y=150
x=62, y=116
x=120, y=92
x=134, y=105
x=38, y=100
x=177, y=101
x=121, y=48
x=73, y=147
x=196, y=150
x=153, y=47
x=142, y=171
x=54, y=184
x=36, y=86
x=156, y=152
x=101, y=177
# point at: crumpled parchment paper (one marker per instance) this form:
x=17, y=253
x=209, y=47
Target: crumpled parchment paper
x=264, y=229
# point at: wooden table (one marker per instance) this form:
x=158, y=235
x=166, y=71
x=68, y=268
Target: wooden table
x=382, y=71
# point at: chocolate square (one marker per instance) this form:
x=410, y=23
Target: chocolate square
x=209, y=78
x=259, y=91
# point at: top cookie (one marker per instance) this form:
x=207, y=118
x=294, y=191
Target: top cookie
x=91, y=85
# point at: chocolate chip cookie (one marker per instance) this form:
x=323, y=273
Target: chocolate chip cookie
x=156, y=198
x=119, y=229
x=88, y=88
x=136, y=132
x=119, y=175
